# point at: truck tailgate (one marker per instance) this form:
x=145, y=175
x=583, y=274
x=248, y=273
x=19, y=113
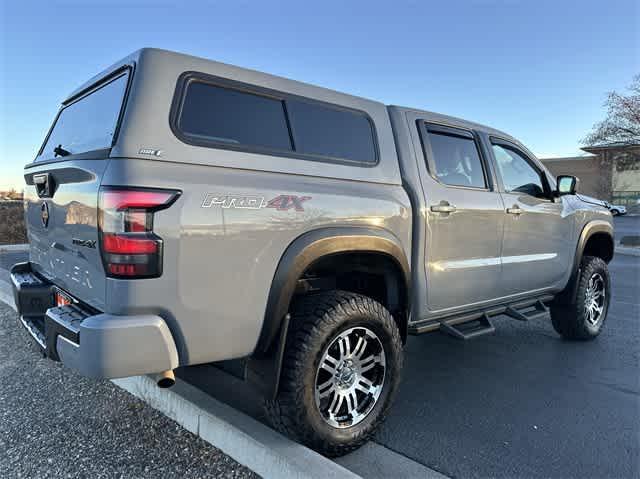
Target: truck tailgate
x=62, y=226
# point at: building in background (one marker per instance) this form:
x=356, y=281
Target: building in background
x=609, y=172
x=586, y=167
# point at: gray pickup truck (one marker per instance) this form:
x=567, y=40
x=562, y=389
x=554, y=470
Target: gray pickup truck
x=182, y=211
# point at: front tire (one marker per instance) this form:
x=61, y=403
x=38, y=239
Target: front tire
x=615, y=212
x=341, y=369
x=583, y=318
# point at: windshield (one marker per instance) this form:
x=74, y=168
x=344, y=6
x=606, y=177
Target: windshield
x=87, y=124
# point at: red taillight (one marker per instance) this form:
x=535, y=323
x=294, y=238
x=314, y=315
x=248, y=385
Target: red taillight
x=114, y=199
x=128, y=244
x=130, y=248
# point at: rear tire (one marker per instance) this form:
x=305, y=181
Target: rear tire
x=341, y=369
x=583, y=318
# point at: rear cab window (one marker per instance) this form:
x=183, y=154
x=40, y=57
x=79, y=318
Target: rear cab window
x=223, y=114
x=89, y=123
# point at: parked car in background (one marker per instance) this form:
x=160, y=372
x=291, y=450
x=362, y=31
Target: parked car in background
x=182, y=211
x=616, y=210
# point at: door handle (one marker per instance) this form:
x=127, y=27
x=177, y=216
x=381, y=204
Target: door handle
x=515, y=210
x=443, y=207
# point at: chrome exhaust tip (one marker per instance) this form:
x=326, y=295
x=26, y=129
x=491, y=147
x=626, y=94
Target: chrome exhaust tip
x=165, y=379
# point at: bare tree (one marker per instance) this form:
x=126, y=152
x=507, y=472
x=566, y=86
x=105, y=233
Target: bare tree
x=616, y=139
x=622, y=124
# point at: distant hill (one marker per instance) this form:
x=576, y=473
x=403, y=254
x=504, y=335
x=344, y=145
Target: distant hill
x=11, y=195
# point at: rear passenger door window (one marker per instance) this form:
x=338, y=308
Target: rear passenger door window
x=518, y=175
x=454, y=159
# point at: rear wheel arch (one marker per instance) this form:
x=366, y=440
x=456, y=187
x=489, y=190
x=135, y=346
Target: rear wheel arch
x=369, y=252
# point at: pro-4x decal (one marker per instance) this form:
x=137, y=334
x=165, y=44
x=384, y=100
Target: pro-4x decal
x=253, y=202
x=286, y=202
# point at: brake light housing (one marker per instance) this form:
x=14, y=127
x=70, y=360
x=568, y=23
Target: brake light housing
x=129, y=247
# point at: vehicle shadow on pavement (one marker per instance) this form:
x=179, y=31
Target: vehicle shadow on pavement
x=519, y=403
x=524, y=402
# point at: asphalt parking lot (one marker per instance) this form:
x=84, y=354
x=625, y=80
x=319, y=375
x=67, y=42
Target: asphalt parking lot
x=626, y=226
x=523, y=402
x=519, y=403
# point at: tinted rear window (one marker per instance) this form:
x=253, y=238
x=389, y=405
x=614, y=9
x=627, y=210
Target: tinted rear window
x=319, y=130
x=89, y=123
x=221, y=116
x=235, y=117
x=456, y=160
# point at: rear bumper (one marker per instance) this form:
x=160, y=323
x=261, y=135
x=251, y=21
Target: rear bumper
x=96, y=345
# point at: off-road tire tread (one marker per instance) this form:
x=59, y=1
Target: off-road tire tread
x=312, y=315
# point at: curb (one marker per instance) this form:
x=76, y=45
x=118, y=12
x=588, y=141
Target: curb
x=253, y=444
x=14, y=247
x=627, y=250
x=6, y=294
x=249, y=442
x=241, y=437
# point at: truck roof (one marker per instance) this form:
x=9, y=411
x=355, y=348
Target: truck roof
x=205, y=65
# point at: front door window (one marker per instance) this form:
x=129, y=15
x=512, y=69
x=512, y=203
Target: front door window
x=518, y=175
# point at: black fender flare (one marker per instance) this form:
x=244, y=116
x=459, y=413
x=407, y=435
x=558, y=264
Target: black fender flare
x=264, y=365
x=307, y=249
x=591, y=228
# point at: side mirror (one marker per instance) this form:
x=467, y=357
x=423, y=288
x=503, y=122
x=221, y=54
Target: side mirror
x=567, y=185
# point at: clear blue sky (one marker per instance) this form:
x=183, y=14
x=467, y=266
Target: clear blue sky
x=537, y=69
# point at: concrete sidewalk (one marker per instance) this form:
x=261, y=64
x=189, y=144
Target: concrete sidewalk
x=627, y=250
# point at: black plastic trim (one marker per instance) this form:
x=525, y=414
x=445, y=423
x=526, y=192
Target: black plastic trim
x=32, y=294
x=568, y=295
x=309, y=248
x=433, y=324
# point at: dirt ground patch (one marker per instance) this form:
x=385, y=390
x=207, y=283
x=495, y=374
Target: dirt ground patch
x=12, y=227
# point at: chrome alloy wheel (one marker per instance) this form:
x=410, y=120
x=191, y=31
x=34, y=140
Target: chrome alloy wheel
x=350, y=377
x=595, y=298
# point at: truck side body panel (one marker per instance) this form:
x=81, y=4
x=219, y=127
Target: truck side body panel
x=222, y=245
x=480, y=256
x=224, y=236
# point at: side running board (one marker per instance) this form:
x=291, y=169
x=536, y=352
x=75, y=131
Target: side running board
x=470, y=329
x=478, y=323
x=540, y=311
